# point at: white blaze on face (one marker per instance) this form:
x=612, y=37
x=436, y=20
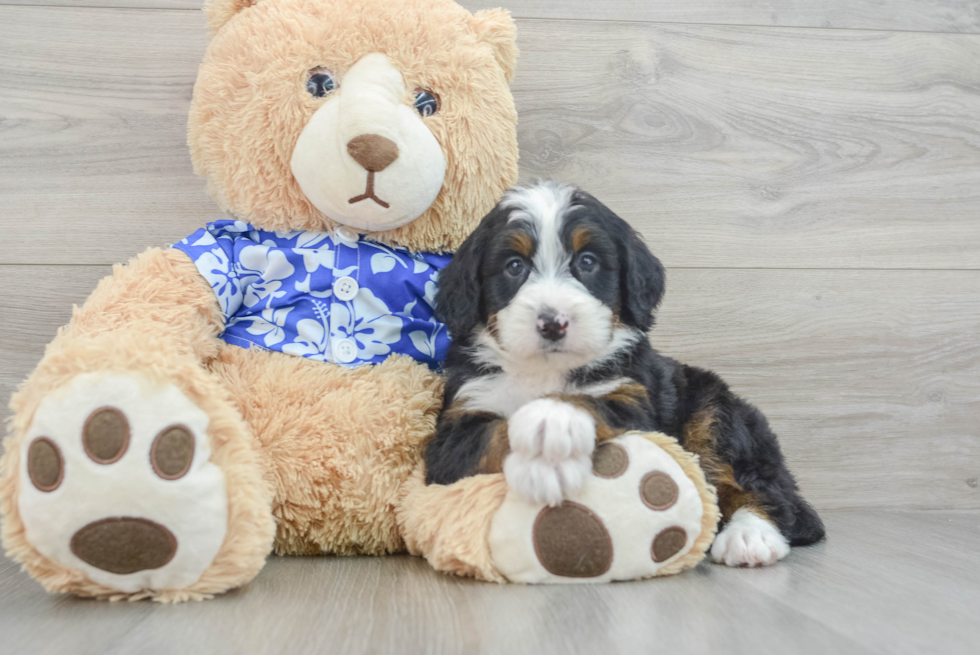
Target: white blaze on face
x=551, y=287
x=369, y=101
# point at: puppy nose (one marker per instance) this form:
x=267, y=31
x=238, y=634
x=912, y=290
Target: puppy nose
x=373, y=151
x=552, y=325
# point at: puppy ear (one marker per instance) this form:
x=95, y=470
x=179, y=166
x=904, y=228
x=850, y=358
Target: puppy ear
x=642, y=282
x=459, y=301
x=496, y=28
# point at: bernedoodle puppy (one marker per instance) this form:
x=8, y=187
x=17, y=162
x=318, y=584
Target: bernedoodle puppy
x=549, y=302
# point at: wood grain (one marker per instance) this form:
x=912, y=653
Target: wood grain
x=727, y=146
x=895, y=582
x=913, y=15
x=909, y=15
x=741, y=147
x=871, y=379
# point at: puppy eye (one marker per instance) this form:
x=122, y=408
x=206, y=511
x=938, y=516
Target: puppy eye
x=426, y=103
x=587, y=262
x=515, y=267
x=321, y=82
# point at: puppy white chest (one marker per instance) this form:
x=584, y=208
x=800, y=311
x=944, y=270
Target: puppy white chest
x=505, y=393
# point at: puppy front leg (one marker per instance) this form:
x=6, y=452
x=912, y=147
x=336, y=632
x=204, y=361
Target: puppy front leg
x=465, y=443
x=551, y=444
x=552, y=439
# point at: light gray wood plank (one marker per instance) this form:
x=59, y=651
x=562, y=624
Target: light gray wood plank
x=881, y=584
x=871, y=379
x=764, y=147
x=914, y=15
x=40, y=302
x=93, y=158
x=406, y=608
x=886, y=567
x=910, y=15
x=727, y=147
x=188, y=5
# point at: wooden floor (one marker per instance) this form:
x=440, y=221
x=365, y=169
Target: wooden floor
x=809, y=172
x=886, y=582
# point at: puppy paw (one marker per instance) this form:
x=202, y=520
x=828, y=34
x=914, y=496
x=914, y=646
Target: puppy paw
x=551, y=443
x=553, y=430
x=749, y=540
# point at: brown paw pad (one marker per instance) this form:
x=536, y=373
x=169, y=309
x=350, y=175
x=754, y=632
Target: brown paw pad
x=172, y=452
x=668, y=543
x=658, y=490
x=610, y=460
x=124, y=545
x=105, y=435
x=45, y=465
x=571, y=541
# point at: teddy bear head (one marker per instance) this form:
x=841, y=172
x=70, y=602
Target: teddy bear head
x=393, y=117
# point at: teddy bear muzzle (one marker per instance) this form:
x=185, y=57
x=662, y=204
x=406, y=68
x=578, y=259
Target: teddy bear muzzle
x=365, y=158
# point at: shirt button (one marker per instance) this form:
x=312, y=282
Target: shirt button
x=345, y=288
x=346, y=234
x=345, y=351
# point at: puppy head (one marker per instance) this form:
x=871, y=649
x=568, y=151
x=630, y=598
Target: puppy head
x=551, y=274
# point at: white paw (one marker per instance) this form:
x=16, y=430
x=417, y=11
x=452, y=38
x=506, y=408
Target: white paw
x=117, y=482
x=749, y=540
x=551, y=446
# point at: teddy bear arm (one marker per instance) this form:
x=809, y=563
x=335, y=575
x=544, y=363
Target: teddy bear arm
x=157, y=302
x=159, y=294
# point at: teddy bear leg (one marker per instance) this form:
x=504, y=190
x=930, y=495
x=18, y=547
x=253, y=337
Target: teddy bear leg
x=129, y=474
x=449, y=525
x=645, y=511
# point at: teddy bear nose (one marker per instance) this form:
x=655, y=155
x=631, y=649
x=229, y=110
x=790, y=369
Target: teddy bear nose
x=373, y=151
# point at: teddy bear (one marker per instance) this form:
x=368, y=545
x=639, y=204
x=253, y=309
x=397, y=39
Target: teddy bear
x=269, y=382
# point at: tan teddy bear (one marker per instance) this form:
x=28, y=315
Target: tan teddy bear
x=269, y=382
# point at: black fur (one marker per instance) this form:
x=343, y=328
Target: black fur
x=460, y=296
x=676, y=393
x=641, y=275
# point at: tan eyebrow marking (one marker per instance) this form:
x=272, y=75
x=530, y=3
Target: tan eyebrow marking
x=580, y=238
x=521, y=242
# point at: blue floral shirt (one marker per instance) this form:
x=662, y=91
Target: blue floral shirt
x=333, y=297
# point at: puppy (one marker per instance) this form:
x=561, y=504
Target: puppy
x=549, y=303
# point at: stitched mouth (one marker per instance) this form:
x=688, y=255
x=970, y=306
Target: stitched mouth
x=369, y=193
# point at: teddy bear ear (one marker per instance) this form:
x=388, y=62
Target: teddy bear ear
x=496, y=28
x=221, y=11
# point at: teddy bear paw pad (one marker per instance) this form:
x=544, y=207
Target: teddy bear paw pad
x=637, y=513
x=120, y=483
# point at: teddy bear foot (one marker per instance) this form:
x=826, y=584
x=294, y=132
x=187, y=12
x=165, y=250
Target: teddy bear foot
x=645, y=511
x=118, y=484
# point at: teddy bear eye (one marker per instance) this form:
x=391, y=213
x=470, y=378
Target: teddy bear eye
x=321, y=82
x=426, y=103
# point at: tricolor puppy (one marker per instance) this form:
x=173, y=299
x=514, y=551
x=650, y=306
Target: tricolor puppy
x=549, y=302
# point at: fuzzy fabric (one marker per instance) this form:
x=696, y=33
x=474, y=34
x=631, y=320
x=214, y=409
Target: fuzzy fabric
x=158, y=318
x=250, y=104
x=450, y=525
x=315, y=457
x=336, y=444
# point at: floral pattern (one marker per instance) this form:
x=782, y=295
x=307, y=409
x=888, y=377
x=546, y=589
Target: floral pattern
x=276, y=291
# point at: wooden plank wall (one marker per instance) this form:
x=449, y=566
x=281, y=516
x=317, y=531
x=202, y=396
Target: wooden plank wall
x=809, y=171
